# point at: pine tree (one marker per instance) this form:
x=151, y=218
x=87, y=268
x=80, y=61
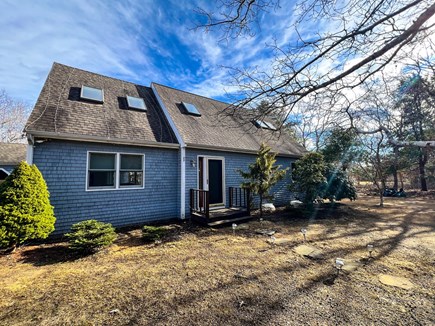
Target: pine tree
x=25, y=210
x=263, y=174
x=309, y=176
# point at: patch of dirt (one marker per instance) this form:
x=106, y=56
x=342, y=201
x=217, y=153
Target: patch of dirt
x=204, y=276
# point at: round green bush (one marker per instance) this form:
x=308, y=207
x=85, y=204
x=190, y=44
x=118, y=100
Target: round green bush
x=152, y=233
x=91, y=235
x=25, y=210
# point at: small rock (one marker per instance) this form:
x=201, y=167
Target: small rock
x=269, y=207
x=114, y=311
x=266, y=232
x=397, y=281
x=309, y=251
x=296, y=203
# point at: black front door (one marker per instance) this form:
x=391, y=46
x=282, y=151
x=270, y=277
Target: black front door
x=215, y=181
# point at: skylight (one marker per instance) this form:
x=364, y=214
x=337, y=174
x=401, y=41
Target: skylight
x=265, y=125
x=270, y=125
x=92, y=94
x=136, y=103
x=191, y=109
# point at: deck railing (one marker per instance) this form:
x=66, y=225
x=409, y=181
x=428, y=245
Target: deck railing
x=240, y=197
x=199, y=202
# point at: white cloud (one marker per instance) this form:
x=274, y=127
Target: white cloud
x=88, y=35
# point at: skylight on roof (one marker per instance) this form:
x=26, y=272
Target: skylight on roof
x=92, y=94
x=191, y=109
x=136, y=103
x=264, y=125
x=270, y=125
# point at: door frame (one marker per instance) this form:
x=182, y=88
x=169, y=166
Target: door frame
x=205, y=170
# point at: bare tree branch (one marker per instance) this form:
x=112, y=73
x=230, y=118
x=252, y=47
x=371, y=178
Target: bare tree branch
x=13, y=116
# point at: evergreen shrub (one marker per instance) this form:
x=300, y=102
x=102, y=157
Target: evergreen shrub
x=25, y=210
x=91, y=235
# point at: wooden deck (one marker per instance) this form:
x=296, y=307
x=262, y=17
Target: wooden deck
x=222, y=216
x=202, y=212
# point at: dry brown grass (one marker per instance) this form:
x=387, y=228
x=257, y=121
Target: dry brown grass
x=201, y=276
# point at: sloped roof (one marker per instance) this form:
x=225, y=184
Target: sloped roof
x=216, y=129
x=12, y=154
x=60, y=110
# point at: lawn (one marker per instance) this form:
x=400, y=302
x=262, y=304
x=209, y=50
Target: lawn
x=203, y=276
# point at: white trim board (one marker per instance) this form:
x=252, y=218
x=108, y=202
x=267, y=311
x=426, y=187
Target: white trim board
x=205, y=168
x=182, y=153
x=8, y=173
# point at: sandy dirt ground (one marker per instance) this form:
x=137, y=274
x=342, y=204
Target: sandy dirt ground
x=203, y=276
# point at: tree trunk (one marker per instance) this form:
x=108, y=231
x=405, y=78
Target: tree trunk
x=395, y=168
x=401, y=180
x=381, y=199
x=422, y=159
x=381, y=193
x=261, y=206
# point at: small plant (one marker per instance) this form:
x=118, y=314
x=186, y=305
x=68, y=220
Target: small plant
x=152, y=233
x=262, y=175
x=91, y=235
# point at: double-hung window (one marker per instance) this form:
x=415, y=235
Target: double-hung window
x=102, y=170
x=131, y=170
x=115, y=171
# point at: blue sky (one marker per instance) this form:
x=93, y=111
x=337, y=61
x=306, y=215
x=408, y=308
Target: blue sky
x=138, y=41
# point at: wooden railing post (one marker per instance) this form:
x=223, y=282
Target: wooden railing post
x=207, y=208
x=231, y=196
x=191, y=201
x=248, y=200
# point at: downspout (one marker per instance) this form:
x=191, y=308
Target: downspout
x=29, y=152
x=182, y=153
x=183, y=182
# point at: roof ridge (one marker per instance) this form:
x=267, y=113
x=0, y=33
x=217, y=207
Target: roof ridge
x=98, y=74
x=135, y=84
x=180, y=90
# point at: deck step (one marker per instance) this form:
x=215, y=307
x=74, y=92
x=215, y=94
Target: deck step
x=230, y=220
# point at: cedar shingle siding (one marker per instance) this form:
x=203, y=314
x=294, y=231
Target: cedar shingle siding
x=63, y=165
x=233, y=162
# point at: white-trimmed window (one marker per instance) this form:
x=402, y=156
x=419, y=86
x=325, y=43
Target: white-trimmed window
x=92, y=94
x=131, y=170
x=114, y=171
x=102, y=170
x=136, y=103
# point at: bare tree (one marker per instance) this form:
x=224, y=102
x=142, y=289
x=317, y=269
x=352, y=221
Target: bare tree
x=373, y=162
x=364, y=39
x=13, y=116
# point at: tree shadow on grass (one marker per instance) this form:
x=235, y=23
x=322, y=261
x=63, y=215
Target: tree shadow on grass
x=50, y=254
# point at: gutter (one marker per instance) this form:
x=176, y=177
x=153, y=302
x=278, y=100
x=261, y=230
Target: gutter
x=182, y=153
x=236, y=150
x=95, y=139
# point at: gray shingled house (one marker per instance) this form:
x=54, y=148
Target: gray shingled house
x=10, y=155
x=130, y=154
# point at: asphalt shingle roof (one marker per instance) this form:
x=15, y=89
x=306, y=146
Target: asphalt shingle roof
x=215, y=128
x=12, y=154
x=60, y=109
